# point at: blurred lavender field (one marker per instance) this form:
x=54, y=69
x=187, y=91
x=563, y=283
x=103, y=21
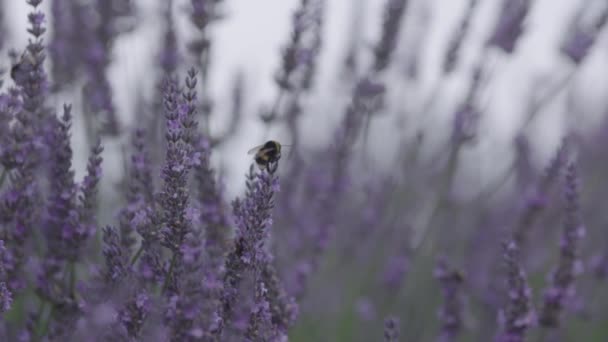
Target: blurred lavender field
x=439, y=180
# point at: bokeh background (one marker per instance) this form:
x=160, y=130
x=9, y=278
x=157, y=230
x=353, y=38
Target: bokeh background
x=250, y=37
x=414, y=192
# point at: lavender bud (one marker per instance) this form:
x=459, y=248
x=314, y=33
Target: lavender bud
x=510, y=24
x=519, y=314
x=394, y=12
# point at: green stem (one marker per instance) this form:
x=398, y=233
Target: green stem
x=3, y=176
x=170, y=272
x=546, y=99
x=72, y=277
x=137, y=254
x=43, y=324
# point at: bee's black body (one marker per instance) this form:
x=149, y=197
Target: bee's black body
x=267, y=156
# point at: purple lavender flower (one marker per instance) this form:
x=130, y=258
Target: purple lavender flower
x=394, y=12
x=97, y=90
x=258, y=327
x=253, y=218
x=174, y=196
x=450, y=313
x=6, y=298
x=391, y=329
x=63, y=51
x=140, y=190
x=458, y=36
x=204, y=12
x=116, y=263
x=62, y=216
x=580, y=39
x=569, y=266
x=535, y=203
x=291, y=52
x=89, y=189
x=34, y=82
x=134, y=314
x=510, y=24
x=10, y=106
x=298, y=62
x=169, y=56
x=519, y=314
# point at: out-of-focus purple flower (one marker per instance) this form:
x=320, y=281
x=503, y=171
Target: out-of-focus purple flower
x=561, y=288
x=365, y=309
x=204, y=13
x=537, y=200
x=396, y=270
x=391, y=329
x=580, y=39
x=3, y=28
x=298, y=62
x=116, y=263
x=467, y=116
x=518, y=315
x=139, y=192
x=97, y=90
x=213, y=211
x=89, y=190
x=450, y=313
x=452, y=55
x=510, y=24
x=394, y=11
x=62, y=216
x=134, y=314
x=63, y=50
x=523, y=164
x=169, y=56
x=310, y=56
x=10, y=106
x=6, y=298
x=465, y=124
x=291, y=53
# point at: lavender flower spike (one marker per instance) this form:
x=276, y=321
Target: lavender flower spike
x=391, y=329
x=253, y=217
x=519, y=314
x=510, y=24
x=450, y=313
x=393, y=15
x=455, y=44
x=580, y=39
x=569, y=266
x=174, y=196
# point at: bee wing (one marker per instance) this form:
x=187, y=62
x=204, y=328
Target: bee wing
x=255, y=149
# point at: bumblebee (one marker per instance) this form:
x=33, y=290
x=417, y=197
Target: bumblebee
x=267, y=155
x=22, y=67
